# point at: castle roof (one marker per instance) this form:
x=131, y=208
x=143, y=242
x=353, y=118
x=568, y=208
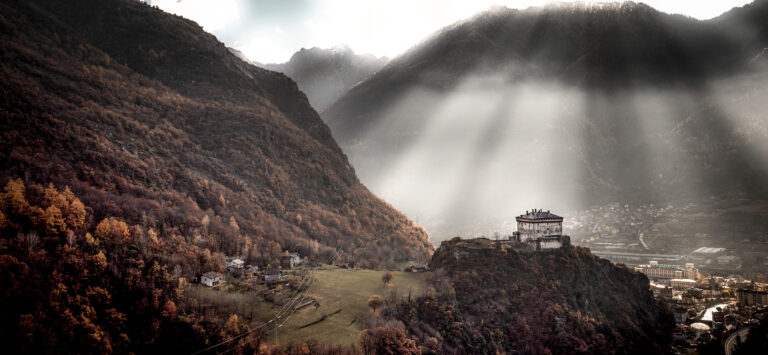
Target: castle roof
x=539, y=215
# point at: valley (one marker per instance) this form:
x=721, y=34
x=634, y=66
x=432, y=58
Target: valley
x=571, y=178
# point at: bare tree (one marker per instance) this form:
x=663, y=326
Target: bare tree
x=205, y=222
x=71, y=238
x=31, y=240
x=393, y=296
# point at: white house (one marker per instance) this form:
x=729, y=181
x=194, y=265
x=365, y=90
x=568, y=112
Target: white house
x=288, y=261
x=235, y=263
x=211, y=279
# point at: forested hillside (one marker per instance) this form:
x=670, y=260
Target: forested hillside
x=150, y=119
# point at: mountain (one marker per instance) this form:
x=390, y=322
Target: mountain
x=326, y=74
x=136, y=153
x=490, y=298
x=563, y=106
x=155, y=117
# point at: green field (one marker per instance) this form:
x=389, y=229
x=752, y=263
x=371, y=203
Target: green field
x=349, y=291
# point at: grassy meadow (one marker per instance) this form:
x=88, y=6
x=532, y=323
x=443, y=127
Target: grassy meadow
x=349, y=291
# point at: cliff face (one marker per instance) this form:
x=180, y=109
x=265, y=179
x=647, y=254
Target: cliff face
x=150, y=119
x=496, y=298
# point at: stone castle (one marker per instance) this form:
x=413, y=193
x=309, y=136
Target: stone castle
x=542, y=229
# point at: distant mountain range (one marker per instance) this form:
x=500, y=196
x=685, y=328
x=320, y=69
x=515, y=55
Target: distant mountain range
x=563, y=106
x=324, y=75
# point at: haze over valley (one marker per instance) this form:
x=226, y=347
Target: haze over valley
x=565, y=106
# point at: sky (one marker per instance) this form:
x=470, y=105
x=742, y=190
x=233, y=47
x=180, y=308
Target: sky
x=270, y=31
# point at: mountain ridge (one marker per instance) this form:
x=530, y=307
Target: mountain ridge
x=326, y=74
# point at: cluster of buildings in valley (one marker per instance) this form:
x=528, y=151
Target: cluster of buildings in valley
x=706, y=308
x=674, y=272
x=681, y=264
x=614, y=219
x=236, y=267
x=672, y=235
x=751, y=297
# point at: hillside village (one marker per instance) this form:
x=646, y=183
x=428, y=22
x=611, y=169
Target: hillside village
x=719, y=241
x=294, y=288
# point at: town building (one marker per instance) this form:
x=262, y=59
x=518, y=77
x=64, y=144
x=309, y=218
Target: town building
x=682, y=283
x=726, y=259
x=661, y=291
x=211, y=279
x=661, y=271
x=680, y=314
x=419, y=268
x=706, y=254
x=752, y=298
x=542, y=229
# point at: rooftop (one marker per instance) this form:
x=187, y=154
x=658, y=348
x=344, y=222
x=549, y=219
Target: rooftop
x=539, y=214
x=662, y=266
x=212, y=274
x=707, y=250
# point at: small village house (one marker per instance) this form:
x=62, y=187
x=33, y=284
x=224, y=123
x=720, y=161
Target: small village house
x=272, y=276
x=235, y=263
x=211, y=279
x=289, y=261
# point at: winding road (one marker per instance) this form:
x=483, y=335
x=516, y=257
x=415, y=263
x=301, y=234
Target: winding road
x=731, y=341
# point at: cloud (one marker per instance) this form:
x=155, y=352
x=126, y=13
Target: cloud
x=383, y=28
x=211, y=15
